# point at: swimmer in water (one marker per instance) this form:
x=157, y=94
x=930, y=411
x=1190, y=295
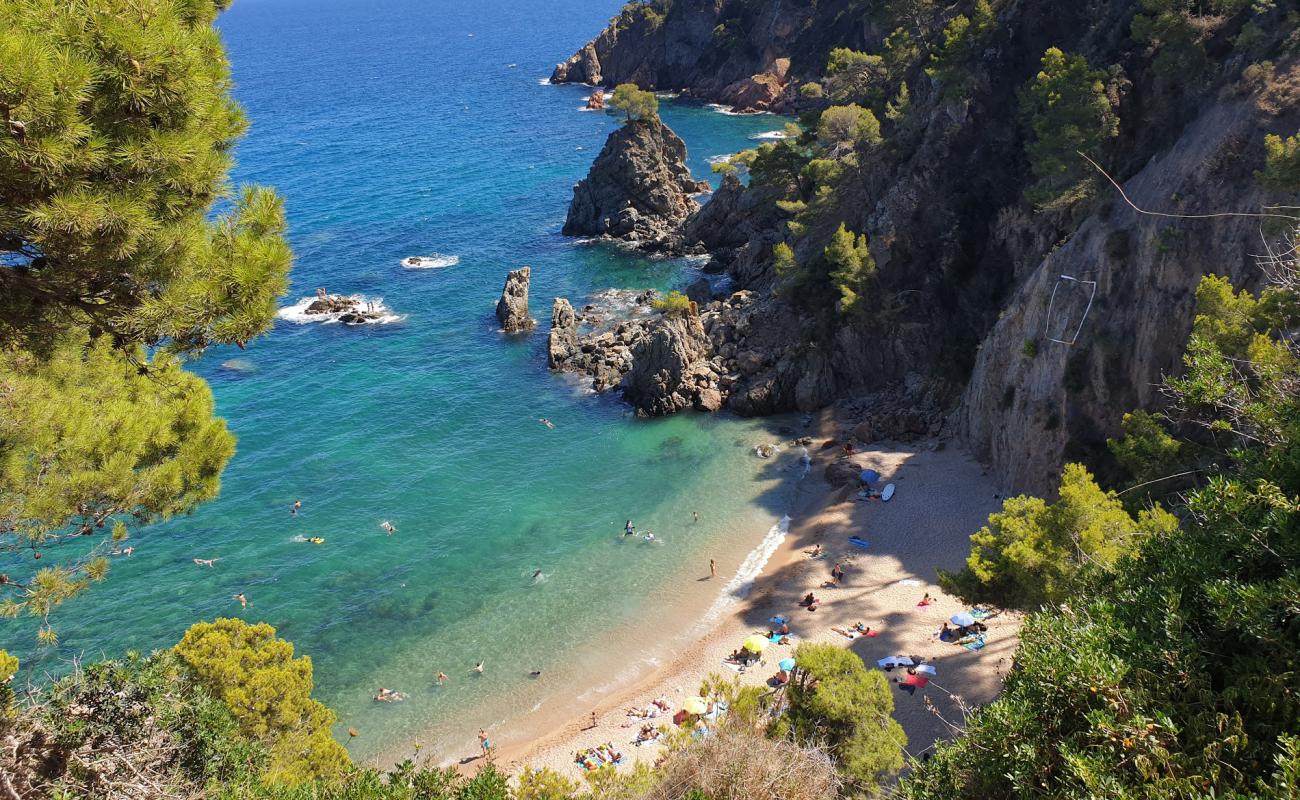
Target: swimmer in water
x=388, y=526
x=629, y=528
x=206, y=562
x=649, y=536
x=441, y=678
x=537, y=673
x=243, y=601
x=537, y=574
x=297, y=504
x=547, y=422
x=479, y=667
x=696, y=515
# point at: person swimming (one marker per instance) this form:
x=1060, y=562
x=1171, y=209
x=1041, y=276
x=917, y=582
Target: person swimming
x=479, y=667
x=537, y=574
x=389, y=527
x=547, y=423
x=649, y=536
x=297, y=506
x=629, y=528
x=206, y=562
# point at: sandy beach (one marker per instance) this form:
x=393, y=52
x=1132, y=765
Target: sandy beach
x=942, y=497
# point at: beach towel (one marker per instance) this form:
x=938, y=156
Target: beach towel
x=981, y=613
x=919, y=681
x=978, y=644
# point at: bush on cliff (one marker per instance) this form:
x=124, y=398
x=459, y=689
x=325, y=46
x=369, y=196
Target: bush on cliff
x=834, y=699
x=1281, y=171
x=1033, y=553
x=673, y=304
x=635, y=103
x=1172, y=674
x=269, y=692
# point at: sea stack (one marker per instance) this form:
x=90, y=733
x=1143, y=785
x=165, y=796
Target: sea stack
x=638, y=190
x=512, y=308
x=562, y=342
x=596, y=102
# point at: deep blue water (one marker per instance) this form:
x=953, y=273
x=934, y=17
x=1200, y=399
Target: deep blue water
x=394, y=128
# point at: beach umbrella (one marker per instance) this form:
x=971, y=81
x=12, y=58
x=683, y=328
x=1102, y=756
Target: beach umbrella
x=786, y=664
x=869, y=476
x=962, y=620
x=895, y=661
x=695, y=705
x=927, y=669
x=755, y=643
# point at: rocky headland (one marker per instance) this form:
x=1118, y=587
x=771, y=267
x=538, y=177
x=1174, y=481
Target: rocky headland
x=638, y=191
x=959, y=335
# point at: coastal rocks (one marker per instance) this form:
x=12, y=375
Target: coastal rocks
x=844, y=472
x=512, y=308
x=639, y=189
x=596, y=102
x=758, y=92
x=581, y=67
x=665, y=376
x=562, y=342
x=346, y=309
x=326, y=303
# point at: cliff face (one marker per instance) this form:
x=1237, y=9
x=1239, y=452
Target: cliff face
x=967, y=268
x=733, y=51
x=638, y=190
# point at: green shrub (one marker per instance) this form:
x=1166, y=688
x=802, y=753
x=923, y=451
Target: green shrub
x=673, y=304
x=853, y=77
x=269, y=692
x=634, y=102
x=812, y=90
x=834, y=698
x=852, y=267
x=963, y=38
x=1281, y=171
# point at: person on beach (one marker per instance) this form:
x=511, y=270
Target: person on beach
x=243, y=601
x=925, y=601
x=484, y=743
x=629, y=528
x=297, y=504
x=441, y=678
x=713, y=568
x=837, y=573
x=479, y=667
x=206, y=562
x=592, y=724
x=815, y=551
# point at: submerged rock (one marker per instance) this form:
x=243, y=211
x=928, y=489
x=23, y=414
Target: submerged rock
x=638, y=190
x=512, y=308
x=596, y=102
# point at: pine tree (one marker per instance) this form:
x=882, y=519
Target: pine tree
x=116, y=132
x=852, y=267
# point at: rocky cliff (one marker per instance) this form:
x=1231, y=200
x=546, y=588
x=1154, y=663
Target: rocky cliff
x=638, y=190
x=512, y=308
x=957, y=317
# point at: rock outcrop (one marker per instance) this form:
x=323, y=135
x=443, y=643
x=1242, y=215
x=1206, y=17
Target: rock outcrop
x=562, y=341
x=664, y=377
x=596, y=101
x=512, y=308
x=639, y=189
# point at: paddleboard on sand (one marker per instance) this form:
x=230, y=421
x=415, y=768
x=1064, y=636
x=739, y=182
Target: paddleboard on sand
x=887, y=493
x=857, y=541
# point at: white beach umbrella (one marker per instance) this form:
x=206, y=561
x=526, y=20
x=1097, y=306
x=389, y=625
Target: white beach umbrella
x=927, y=669
x=962, y=619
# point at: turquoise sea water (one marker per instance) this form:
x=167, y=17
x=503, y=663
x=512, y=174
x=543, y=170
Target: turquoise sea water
x=396, y=128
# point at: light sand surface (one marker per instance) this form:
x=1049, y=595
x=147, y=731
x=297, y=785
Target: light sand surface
x=942, y=497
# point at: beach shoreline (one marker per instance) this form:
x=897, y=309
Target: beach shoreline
x=943, y=497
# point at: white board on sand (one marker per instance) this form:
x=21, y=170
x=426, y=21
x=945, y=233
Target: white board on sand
x=887, y=493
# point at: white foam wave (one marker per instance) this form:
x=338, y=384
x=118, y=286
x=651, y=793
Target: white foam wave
x=297, y=313
x=435, y=261
x=545, y=82
x=770, y=136
x=732, y=112
x=742, y=583
x=722, y=159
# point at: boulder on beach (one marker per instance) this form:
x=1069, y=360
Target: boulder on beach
x=512, y=308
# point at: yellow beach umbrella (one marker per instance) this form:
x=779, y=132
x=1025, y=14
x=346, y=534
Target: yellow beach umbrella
x=755, y=643
x=695, y=705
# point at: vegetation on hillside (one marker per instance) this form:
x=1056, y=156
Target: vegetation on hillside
x=635, y=103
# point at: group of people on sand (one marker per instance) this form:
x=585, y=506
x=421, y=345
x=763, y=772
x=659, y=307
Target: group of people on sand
x=593, y=758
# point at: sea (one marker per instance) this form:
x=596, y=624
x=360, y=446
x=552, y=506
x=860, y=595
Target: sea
x=398, y=128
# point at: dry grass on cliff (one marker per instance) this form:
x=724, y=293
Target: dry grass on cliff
x=736, y=764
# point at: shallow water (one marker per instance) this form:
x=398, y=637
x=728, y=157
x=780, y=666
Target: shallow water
x=396, y=128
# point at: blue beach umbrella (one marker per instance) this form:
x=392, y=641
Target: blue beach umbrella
x=869, y=476
x=786, y=664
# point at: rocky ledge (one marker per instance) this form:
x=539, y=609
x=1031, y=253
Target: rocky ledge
x=639, y=189
x=348, y=310
x=720, y=353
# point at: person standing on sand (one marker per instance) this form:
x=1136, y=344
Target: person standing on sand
x=484, y=743
x=713, y=568
x=837, y=573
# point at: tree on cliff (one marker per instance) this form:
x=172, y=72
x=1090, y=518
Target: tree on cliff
x=1033, y=553
x=951, y=64
x=116, y=130
x=254, y=672
x=852, y=267
x=635, y=103
x=1172, y=674
x=1068, y=112
x=834, y=698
